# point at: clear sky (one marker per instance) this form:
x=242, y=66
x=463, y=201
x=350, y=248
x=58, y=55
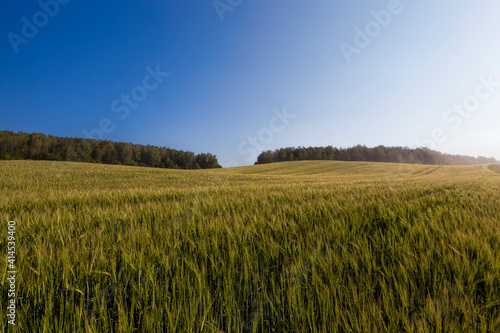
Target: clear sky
x=246, y=76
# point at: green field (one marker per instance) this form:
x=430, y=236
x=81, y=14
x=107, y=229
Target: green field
x=311, y=246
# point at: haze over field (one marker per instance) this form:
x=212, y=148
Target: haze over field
x=235, y=80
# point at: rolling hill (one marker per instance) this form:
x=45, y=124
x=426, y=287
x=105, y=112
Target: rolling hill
x=308, y=246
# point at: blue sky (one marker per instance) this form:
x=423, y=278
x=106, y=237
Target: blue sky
x=244, y=76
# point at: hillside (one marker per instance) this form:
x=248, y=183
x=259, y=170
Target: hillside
x=292, y=247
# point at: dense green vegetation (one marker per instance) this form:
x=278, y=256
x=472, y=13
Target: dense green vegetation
x=38, y=146
x=312, y=246
x=377, y=154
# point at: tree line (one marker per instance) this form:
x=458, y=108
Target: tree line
x=376, y=154
x=37, y=146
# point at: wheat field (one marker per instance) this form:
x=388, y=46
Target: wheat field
x=311, y=246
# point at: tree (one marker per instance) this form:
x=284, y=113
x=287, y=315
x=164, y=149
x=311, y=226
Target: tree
x=265, y=157
x=124, y=152
x=363, y=153
x=40, y=146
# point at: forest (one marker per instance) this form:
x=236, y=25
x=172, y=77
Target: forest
x=36, y=146
x=376, y=154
